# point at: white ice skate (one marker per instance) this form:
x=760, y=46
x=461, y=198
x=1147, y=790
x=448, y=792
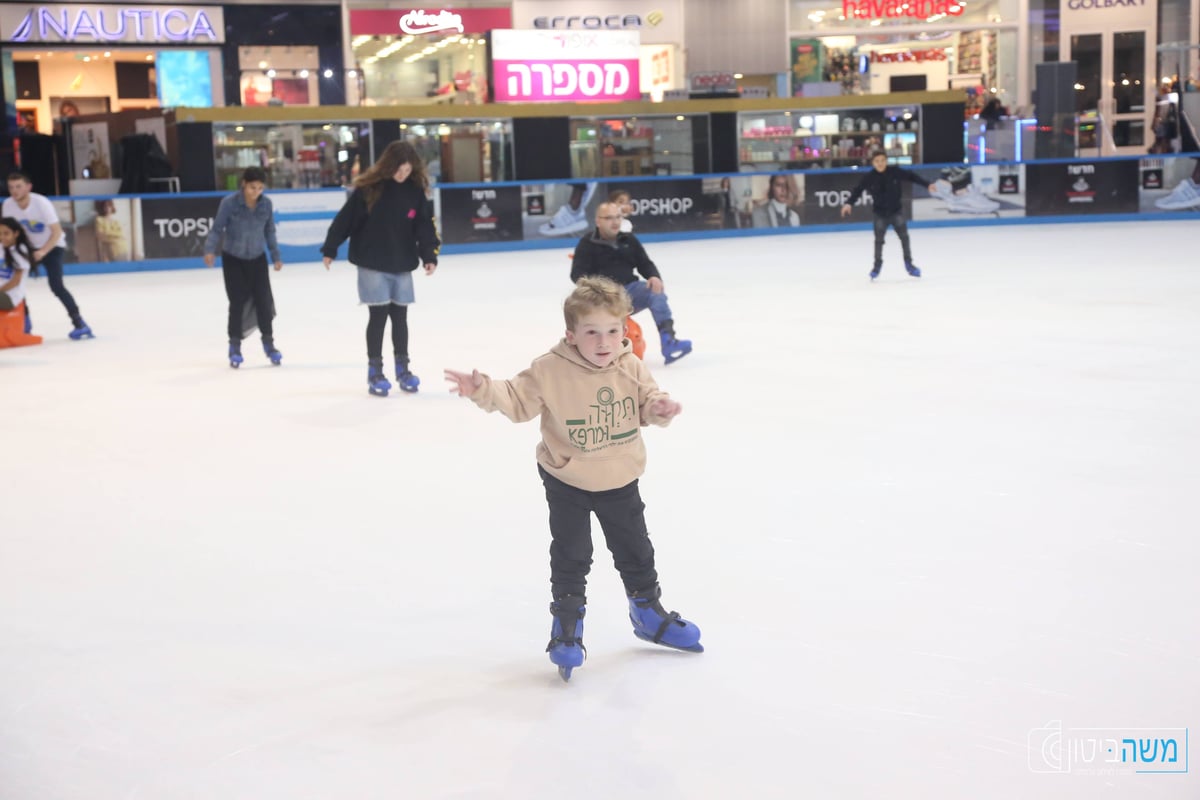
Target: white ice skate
x=1185, y=195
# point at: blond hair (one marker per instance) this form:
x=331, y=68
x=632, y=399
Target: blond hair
x=595, y=293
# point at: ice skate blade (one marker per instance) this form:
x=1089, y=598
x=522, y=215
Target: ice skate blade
x=673, y=357
x=696, y=648
x=565, y=673
x=378, y=392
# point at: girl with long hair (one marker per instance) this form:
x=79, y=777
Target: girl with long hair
x=389, y=221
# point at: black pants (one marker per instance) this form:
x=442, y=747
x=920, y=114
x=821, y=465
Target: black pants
x=375, y=325
x=246, y=280
x=620, y=512
x=881, y=226
x=53, y=264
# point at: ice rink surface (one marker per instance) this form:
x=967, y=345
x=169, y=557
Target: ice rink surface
x=932, y=531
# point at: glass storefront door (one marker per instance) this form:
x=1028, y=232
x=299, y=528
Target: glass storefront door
x=1112, y=84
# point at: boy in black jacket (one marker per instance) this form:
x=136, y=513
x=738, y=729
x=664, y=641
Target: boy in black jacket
x=883, y=182
x=608, y=252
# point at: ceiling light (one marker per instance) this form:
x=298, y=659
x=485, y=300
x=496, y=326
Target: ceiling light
x=303, y=73
x=270, y=73
x=328, y=73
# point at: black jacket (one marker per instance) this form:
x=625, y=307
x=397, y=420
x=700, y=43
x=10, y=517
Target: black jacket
x=884, y=188
x=397, y=235
x=616, y=259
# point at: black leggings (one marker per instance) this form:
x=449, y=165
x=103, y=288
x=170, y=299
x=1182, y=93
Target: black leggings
x=375, y=326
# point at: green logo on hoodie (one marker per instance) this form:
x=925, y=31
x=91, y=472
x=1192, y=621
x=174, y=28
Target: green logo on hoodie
x=608, y=422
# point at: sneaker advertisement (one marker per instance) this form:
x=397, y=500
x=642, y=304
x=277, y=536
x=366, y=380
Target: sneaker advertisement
x=1178, y=187
x=978, y=191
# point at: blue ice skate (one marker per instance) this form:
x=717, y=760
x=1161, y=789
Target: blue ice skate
x=674, y=349
x=82, y=331
x=912, y=269
x=405, y=379
x=875, y=271
x=235, y=354
x=652, y=623
x=566, y=650
x=377, y=384
x=273, y=354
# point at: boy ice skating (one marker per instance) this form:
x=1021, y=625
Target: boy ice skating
x=620, y=257
x=883, y=182
x=593, y=396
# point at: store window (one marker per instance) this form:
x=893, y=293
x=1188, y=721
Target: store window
x=813, y=139
x=463, y=151
x=299, y=156
x=631, y=146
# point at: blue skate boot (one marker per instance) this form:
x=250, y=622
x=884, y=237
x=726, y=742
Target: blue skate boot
x=235, y=354
x=273, y=354
x=652, y=623
x=81, y=331
x=912, y=269
x=875, y=271
x=406, y=380
x=566, y=634
x=377, y=384
x=672, y=349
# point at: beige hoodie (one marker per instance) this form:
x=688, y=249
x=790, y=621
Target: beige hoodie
x=590, y=415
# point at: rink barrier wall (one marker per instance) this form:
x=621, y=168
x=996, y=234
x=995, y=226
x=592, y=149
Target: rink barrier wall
x=155, y=232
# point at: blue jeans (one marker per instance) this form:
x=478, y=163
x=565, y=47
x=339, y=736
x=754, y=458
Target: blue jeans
x=53, y=264
x=643, y=298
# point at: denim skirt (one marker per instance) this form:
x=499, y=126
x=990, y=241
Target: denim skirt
x=377, y=288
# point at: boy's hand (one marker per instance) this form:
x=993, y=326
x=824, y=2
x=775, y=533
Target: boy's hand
x=656, y=285
x=326, y=261
x=846, y=210
x=430, y=266
x=210, y=259
x=464, y=385
x=665, y=408
x=278, y=266
x=933, y=188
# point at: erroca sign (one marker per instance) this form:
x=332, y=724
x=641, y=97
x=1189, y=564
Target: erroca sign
x=20, y=22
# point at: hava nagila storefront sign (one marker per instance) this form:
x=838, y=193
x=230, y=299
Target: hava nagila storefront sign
x=891, y=9
x=81, y=24
x=565, y=66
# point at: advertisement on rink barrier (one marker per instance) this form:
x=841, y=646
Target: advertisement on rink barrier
x=480, y=214
x=1082, y=187
x=1169, y=184
x=668, y=205
x=970, y=192
x=174, y=227
x=559, y=210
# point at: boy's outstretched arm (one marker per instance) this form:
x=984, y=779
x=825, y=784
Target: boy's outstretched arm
x=462, y=383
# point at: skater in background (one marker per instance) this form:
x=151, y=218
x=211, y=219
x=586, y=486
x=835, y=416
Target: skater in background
x=593, y=396
x=37, y=216
x=883, y=183
x=624, y=203
x=244, y=229
x=389, y=221
x=18, y=256
x=620, y=257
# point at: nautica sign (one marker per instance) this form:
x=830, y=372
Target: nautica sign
x=88, y=23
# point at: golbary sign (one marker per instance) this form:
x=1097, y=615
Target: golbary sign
x=90, y=23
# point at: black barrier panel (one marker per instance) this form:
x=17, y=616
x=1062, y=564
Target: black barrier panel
x=484, y=214
x=176, y=227
x=826, y=192
x=1082, y=187
x=670, y=205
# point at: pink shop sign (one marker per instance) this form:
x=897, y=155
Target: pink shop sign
x=594, y=80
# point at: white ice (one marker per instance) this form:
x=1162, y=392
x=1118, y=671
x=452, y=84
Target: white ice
x=917, y=522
